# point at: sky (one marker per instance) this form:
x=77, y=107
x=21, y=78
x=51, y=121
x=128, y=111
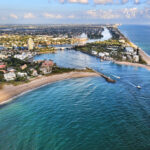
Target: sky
x=74, y=11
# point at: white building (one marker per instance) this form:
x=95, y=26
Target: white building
x=23, y=56
x=10, y=76
x=136, y=58
x=21, y=74
x=106, y=53
x=122, y=41
x=30, y=44
x=94, y=52
x=2, y=56
x=129, y=49
x=101, y=54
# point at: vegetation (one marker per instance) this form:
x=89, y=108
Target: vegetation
x=57, y=70
x=100, y=46
x=1, y=76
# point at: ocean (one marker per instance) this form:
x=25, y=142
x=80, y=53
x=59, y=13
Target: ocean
x=81, y=114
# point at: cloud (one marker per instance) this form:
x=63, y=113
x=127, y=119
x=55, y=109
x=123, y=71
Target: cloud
x=52, y=16
x=13, y=16
x=103, y=1
x=125, y=1
x=127, y=13
x=103, y=14
x=29, y=16
x=71, y=17
x=130, y=12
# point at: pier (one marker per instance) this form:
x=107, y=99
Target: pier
x=108, y=79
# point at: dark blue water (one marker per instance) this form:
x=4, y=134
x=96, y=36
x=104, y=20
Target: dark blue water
x=138, y=34
x=81, y=114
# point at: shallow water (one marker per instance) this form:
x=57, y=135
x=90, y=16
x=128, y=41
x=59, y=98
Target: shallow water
x=81, y=114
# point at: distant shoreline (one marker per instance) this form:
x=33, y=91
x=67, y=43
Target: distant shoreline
x=142, y=53
x=132, y=64
x=10, y=92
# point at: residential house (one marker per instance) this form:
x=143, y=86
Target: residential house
x=3, y=56
x=23, y=67
x=47, y=66
x=10, y=76
x=21, y=74
x=94, y=52
x=136, y=58
x=2, y=66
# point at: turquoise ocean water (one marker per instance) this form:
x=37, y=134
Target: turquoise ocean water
x=81, y=114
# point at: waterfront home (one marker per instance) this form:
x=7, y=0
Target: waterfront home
x=101, y=54
x=10, y=76
x=46, y=67
x=136, y=58
x=34, y=72
x=94, y=52
x=124, y=58
x=48, y=63
x=106, y=53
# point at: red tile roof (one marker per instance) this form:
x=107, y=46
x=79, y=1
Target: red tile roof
x=47, y=63
x=2, y=66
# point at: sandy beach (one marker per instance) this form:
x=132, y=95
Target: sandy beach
x=132, y=64
x=8, y=92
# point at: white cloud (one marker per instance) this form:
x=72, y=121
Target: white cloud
x=103, y=1
x=130, y=12
x=136, y=1
x=52, y=16
x=13, y=16
x=125, y=1
x=103, y=14
x=71, y=16
x=127, y=13
x=29, y=16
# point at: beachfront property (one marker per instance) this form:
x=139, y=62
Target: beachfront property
x=46, y=67
x=10, y=76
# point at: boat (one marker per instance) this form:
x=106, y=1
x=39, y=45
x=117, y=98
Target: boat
x=116, y=76
x=139, y=87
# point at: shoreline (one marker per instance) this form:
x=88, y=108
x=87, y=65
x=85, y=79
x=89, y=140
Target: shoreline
x=142, y=53
x=131, y=64
x=10, y=92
